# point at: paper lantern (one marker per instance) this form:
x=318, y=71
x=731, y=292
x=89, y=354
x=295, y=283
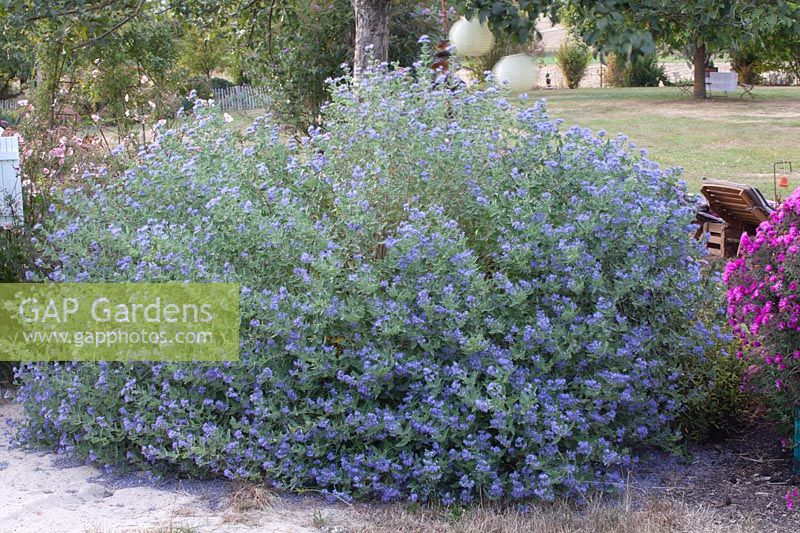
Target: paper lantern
x=471, y=37
x=516, y=73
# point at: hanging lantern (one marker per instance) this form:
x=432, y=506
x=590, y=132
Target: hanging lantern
x=471, y=37
x=517, y=73
x=783, y=181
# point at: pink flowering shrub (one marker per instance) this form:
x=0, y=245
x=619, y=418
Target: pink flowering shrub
x=764, y=308
x=53, y=159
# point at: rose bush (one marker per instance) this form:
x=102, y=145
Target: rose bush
x=764, y=309
x=442, y=297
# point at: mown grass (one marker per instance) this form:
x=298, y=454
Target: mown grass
x=722, y=137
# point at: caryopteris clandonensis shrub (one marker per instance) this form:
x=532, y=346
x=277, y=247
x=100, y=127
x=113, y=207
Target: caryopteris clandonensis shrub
x=442, y=297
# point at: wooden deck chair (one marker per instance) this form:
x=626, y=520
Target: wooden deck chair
x=740, y=206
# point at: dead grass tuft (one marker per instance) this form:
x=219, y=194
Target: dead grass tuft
x=246, y=500
x=251, y=497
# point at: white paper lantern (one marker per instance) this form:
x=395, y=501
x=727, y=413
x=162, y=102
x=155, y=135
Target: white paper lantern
x=516, y=73
x=471, y=38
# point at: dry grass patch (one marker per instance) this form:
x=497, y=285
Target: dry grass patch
x=654, y=516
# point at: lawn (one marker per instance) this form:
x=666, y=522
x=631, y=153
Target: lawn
x=723, y=137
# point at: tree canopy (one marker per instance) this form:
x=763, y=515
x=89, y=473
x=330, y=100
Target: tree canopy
x=698, y=27
x=297, y=44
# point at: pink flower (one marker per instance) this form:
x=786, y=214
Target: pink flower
x=791, y=497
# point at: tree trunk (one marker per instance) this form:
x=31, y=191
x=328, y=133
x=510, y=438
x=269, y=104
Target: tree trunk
x=372, y=32
x=700, y=71
x=4, y=87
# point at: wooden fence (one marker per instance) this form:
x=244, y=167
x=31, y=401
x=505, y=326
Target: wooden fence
x=242, y=98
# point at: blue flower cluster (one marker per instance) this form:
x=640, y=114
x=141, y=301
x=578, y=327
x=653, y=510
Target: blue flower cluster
x=443, y=297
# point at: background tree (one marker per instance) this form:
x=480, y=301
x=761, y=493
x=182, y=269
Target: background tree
x=133, y=76
x=63, y=32
x=371, y=32
x=698, y=27
x=204, y=50
x=779, y=51
x=635, y=26
x=16, y=61
x=294, y=46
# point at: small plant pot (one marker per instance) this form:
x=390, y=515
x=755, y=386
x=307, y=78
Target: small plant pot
x=796, y=441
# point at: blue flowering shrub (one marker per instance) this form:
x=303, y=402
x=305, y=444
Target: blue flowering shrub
x=442, y=298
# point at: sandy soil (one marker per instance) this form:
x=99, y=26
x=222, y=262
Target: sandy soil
x=42, y=493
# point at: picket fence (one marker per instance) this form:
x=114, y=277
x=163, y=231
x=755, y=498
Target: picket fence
x=10, y=185
x=9, y=105
x=242, y=98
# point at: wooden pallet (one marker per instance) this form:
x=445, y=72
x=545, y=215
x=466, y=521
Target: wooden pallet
x=723, y=239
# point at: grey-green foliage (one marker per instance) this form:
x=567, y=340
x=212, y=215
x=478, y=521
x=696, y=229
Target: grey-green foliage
x=443, y=297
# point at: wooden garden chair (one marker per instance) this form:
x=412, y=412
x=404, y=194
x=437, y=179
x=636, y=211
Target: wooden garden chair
x=740, y=207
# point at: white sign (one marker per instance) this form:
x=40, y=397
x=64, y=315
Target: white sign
x=725, y=82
